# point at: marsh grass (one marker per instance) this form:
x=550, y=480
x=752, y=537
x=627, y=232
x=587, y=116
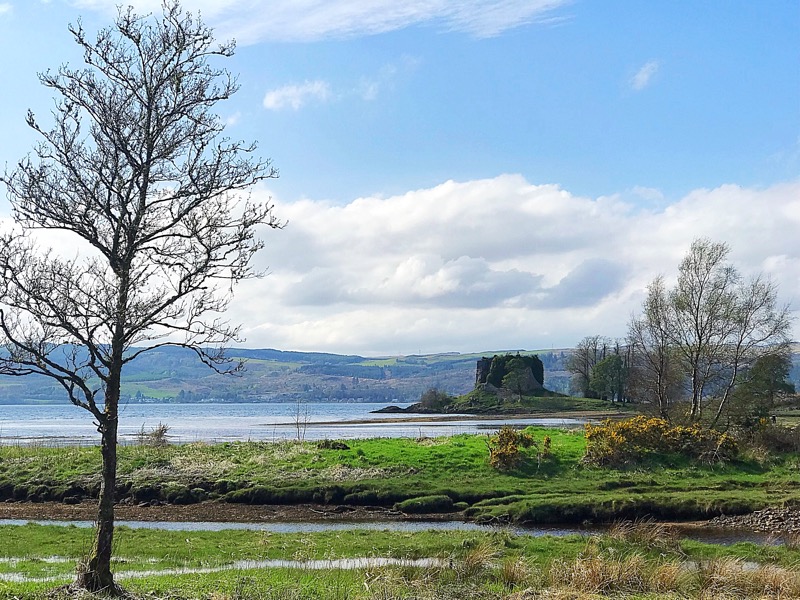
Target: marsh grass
x=477, y=559
x=386, y=471
x=601, y=575
x=515, y=572
x=514, y=578
x=646, y=532
x=739, y=579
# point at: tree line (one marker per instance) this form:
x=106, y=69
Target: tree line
x=713, y=346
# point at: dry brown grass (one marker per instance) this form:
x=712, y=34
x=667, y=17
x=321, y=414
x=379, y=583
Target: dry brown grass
x=602, y=575
x=791, y=540
x=477, y=560
x=646, y=532
x=669, y=577
x=731, y=577
x=514, y=572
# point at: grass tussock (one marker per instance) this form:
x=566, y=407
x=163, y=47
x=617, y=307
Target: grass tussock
x=477, y=559
x=646, y=532
x=735, y=578
x=515, y=572
x=602, y=575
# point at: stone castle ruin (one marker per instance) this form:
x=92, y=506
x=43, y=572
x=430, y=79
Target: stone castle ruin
x=491, y=371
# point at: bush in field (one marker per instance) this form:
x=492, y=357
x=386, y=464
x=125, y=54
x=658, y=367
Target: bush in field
x=505, y=448
x=617, y=443
x=773, y=438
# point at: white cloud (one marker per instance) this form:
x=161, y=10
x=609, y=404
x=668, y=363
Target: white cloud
x=387, y=78
x=644, y=75
x=495, y=263
x=488, y=264
x=295, y=96
x=648, y=193
x=5, y=8
x=251, y=21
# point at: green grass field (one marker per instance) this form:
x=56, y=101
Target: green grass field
x=383, y=472
x=631, y=561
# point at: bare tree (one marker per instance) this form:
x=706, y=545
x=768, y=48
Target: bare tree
x=759, y=329
x=701, y=310
x=134, y=169
x=653, y=375
x=715, y=324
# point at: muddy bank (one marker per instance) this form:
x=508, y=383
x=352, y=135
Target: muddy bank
x=207, y=511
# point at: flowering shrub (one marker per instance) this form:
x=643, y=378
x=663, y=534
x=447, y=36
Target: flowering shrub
x=621, y=442
x=505, y=447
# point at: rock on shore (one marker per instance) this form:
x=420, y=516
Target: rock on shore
x=769, y=520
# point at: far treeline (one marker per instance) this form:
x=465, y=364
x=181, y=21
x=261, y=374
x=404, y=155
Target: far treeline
x=714, y=347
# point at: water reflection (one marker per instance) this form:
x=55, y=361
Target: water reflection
x=710, y=535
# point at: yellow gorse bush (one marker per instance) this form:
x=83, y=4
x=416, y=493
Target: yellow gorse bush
x=628, y=441
x=505, y=447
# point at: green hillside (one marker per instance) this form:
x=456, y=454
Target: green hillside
x=177, y=375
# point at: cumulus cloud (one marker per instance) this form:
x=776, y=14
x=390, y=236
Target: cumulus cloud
x=251, y=21
x=494, y=263
x=489, y=264
x=644, y=76
x=297, y=95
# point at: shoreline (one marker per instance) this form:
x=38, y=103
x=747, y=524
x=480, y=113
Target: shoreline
x=223, y=512
x=219, y=512
x=449, y=418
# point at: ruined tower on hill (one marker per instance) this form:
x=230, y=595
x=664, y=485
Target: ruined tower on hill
x=491, y=371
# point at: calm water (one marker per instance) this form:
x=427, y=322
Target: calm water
x=708, y=535
x=68, y=424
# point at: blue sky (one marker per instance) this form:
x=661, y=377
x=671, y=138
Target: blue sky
x=481, y=175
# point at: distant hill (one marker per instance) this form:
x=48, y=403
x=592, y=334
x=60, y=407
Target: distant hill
x=176, y=375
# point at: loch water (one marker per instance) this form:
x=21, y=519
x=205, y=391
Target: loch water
x=65, y=424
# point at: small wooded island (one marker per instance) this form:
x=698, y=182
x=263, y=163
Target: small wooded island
x=504, y=385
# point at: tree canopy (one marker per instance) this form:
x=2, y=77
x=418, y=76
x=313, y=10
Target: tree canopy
x=708, y=330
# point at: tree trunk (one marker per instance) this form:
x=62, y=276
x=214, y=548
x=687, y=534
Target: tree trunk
x=97, y=576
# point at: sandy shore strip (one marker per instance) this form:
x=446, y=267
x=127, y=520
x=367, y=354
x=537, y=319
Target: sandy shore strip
x=448, y=418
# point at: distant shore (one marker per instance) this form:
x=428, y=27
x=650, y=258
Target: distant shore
x=448, y=418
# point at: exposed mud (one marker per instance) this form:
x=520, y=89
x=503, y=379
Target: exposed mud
x=207, y=511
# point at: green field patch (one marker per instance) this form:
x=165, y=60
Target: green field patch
x=475, y=565
x=387, y=471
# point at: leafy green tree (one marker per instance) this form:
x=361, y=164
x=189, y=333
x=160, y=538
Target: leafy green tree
x=589, y=351
x=434, y=399
x=518, y=377
x=764, y=384
x=134, y=170
x=609, y=377
x=768, y=378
